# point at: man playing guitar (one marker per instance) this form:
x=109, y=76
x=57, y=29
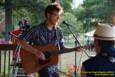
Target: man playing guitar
x=48, y=32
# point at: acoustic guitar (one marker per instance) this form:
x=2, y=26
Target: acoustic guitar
x=32, y=64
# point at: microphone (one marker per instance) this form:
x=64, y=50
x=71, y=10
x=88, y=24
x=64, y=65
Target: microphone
x=64, y=22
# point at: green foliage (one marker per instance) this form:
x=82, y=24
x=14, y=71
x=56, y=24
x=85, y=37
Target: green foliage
x=93, y=11
x=79, y=12
x=66, y=5
x=71, y=19
x=33, y=10
x=99, y=8
x=2, y=1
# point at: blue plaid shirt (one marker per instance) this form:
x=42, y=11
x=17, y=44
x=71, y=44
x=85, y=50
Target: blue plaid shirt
x=40, y=35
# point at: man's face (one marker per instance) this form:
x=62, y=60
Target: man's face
x=54, y=17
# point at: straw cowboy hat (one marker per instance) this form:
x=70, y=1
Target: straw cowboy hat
x=104, y=32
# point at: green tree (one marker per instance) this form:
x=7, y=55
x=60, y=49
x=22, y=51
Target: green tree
x=99, y=8
x=75, y=24
x=32, y=10
x=93, y=11
x=66, y=5
x=84, y=15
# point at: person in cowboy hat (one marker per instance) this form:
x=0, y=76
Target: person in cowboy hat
x=103, y=64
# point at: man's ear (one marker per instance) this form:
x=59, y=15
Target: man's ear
x=48, y=15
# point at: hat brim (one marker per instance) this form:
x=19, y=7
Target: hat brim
x=104, y=38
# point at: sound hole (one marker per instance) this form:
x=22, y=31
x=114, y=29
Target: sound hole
x=47, y=55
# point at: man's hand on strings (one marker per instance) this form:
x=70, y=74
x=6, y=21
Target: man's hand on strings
x=41, y=55
x=79, y=49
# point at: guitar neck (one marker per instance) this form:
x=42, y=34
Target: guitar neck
x=66, y=50
x=63, y=50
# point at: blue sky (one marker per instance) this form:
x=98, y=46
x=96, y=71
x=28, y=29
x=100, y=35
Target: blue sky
x=76, y=3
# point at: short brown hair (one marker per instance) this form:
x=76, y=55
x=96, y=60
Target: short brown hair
x=53, y=7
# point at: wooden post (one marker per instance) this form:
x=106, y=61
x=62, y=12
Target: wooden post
x=8, y=18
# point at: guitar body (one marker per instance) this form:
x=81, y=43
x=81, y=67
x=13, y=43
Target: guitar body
x=31, y=63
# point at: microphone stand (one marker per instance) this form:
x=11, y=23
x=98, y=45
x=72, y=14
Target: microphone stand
x=68, y=27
